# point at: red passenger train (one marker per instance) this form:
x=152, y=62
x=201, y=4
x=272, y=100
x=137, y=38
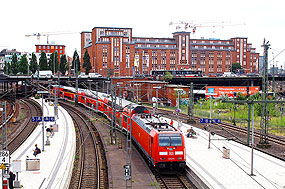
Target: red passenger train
x=162, y=144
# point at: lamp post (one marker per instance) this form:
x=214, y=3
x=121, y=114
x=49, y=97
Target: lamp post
x=156, y=101
x=43, y=126
x=273, y=78
x=76, y=82
x=252, y=140
x=211, y=95
x=137, y=92
x=178, y=109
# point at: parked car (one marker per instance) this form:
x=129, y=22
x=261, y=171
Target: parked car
x=94, y=75
x=252, y=75
x=82, y=75
x=212, y=75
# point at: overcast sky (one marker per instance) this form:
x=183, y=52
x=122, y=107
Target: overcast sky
x=253, y=19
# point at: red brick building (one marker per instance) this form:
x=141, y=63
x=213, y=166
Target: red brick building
x=51, y=48
x=115, y=52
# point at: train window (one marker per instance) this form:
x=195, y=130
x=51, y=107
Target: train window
x=151, y=140
x=176, y=141
x=170, y=140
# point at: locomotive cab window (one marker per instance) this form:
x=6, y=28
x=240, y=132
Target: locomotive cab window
x=170, y=140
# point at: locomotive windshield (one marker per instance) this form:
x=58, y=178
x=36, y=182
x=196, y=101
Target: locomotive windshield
x=170, y=140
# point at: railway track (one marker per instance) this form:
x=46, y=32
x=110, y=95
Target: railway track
x=173, y=181
x=11, y=109
x=23, y=132
x=227, y=127
x=91, y=158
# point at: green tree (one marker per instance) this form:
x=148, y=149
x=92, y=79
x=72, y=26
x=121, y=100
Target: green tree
x=168, y=76
x=43, y=63
x=7, y=68
x=235, y=67
x=23, y=64
x=76, y=61
x=63, y=64
x=14, y=64
x=53, y=59
x=86, y=62
x=34, y=64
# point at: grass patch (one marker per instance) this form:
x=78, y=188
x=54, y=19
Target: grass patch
x=22, y=115
x=76, y=157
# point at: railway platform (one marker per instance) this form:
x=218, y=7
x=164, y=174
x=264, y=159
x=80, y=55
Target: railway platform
x=227, y=164
x=52, y=168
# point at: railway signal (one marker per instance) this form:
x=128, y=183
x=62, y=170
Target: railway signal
x=4, y=154
x=127, y=175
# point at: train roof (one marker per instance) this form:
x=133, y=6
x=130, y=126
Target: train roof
x=148, y=122
x=145, y=120
x=102, y=96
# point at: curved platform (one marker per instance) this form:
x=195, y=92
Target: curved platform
x=56, y=160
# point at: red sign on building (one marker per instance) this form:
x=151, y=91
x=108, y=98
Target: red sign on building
x=229, y=91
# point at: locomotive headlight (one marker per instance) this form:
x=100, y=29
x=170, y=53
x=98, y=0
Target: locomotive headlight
x=179, y=158
x=178, y=153
x=162, y=153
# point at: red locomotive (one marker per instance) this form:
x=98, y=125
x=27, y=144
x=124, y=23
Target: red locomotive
x=162, y=144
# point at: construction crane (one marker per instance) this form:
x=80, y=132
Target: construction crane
x=191, y=25
x=38, y=35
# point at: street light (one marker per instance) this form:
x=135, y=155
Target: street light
x=137, y=92
x=211, y=95
x=178, y=109
x=43, y=127
x=76, y=82
x=155, y=109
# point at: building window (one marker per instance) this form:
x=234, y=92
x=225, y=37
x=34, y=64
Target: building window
x=40, y=47
x=40, y=51
x=47, y=47
x=60, y=51
x=60, y=47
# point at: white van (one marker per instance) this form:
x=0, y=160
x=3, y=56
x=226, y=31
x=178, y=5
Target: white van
x=43, y=74
x=229, y=74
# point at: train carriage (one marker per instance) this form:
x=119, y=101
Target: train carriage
x=161, y=143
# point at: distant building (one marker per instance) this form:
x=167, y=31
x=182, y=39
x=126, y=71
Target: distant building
x=260, y=64
x=114, y=51
x=49, y=49
x=6, y=56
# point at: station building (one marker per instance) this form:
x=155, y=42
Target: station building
x=115, y=52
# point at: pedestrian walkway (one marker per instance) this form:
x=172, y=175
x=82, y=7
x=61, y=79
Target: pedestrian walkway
x=56, y=159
